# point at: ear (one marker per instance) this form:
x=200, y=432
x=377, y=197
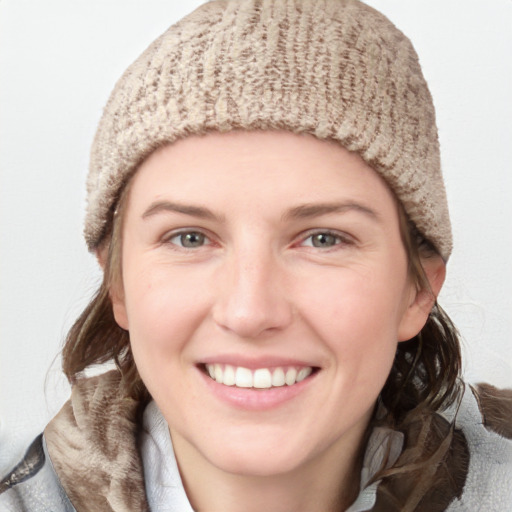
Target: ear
x=116, y=292
x=422, y=301
x=119, y=308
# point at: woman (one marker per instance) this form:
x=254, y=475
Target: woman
x=266, y=201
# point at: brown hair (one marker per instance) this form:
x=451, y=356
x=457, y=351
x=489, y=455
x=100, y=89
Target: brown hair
x=424, y=380
x=427, y=368
x=424, y=373
x=95, y=337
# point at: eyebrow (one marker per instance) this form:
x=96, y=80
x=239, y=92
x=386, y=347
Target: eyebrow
x=169, y=206
x=316, y=210
x=303, y=211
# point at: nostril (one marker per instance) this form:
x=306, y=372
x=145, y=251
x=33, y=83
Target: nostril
x=253, y=320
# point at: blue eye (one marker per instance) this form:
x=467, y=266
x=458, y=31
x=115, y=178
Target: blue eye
x=323, y=240
x=189, y=239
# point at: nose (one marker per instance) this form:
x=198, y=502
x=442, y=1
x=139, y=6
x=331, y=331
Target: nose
x=252, y=300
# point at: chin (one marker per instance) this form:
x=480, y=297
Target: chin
x=257, y=464
x=259, y=451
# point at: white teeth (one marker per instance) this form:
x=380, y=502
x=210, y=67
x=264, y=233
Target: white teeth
x=218, y=373
x=243, y=378
x=303, y=373
x=291, y=375
x=262, y=378
x=229, y=375
x=278, y=377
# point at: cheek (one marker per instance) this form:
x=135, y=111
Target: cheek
x=164, y=307
x=357, y=316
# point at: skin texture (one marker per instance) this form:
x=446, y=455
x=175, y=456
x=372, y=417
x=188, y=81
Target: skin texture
x=256, y=290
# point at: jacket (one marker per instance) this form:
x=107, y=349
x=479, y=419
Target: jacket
x=89, y=458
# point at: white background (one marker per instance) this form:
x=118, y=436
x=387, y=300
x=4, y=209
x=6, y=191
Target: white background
x=59, y=59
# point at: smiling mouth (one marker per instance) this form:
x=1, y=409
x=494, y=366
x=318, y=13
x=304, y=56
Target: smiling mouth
x=261, y=378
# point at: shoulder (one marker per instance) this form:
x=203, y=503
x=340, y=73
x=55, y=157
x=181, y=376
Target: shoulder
x=92, y=443
x=457, y=460
x=484, y=415
x=33, y=484
x=495, y=406
x=484, y=418
x=88, y=457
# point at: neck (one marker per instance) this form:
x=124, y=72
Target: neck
x=330, y=482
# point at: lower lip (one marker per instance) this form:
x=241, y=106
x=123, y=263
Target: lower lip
x=256, y=399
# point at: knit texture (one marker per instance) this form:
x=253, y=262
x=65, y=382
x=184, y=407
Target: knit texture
x=336, y=69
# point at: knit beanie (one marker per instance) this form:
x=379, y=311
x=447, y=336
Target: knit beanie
x=336, y=69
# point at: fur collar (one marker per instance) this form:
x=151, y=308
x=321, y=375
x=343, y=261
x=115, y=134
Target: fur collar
x=93, y=446
x=92, y=443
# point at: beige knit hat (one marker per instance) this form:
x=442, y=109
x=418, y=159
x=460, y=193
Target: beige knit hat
x=336, y=69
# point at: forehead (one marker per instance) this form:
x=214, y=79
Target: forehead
x=266, y=166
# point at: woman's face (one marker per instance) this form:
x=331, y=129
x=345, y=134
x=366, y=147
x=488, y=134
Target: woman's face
x=274, y=262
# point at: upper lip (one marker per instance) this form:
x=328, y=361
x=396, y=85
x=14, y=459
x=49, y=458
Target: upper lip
x=253, y=363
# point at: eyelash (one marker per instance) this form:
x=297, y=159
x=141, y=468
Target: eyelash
x=180, y=234
x=337, y=239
